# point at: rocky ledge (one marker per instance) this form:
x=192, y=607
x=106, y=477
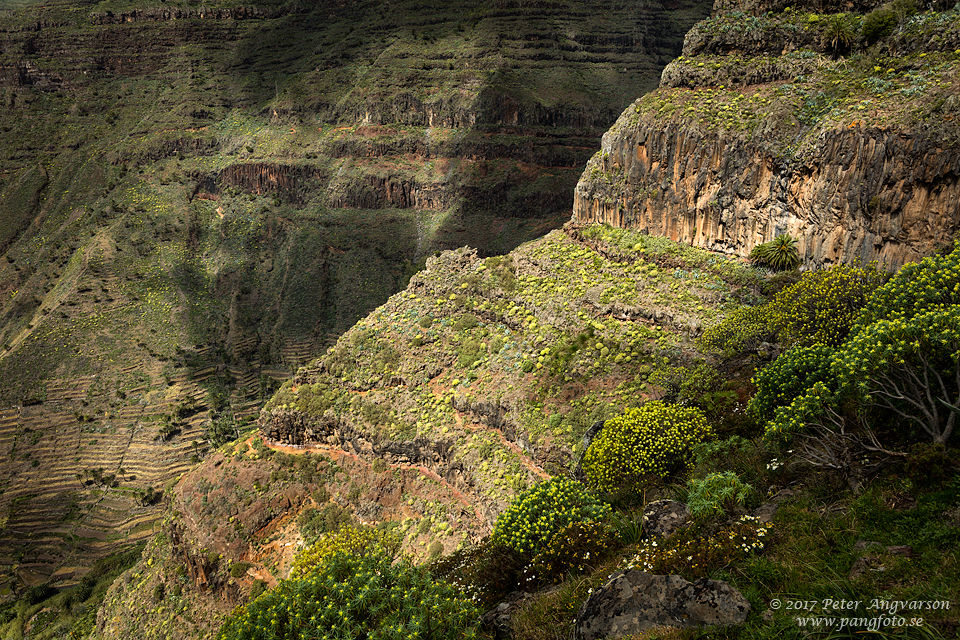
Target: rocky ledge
x=856, y=156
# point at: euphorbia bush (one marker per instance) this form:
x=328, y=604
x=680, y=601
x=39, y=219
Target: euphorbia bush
x=354, y=540
x=356, y=596
x=901, y=358
x=788, y=377
x=822, y=307
x=742, y=330
x=538, y=514
x=652, y=441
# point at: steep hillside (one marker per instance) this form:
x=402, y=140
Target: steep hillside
x=196, y=200
x=477, y=381
x=837, y=129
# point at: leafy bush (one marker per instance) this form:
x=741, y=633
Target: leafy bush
x=878, y=24
x=788, y=377
x=910, y=368
x=360, y=541
x=539, y=513
x=329, y=518
x=239, y=569
x=574, y=549
x=779, y=254
x=823, y=305
x=652, y=441
x=881, y=22
x=743, y=330
x=902, y=358
x=716, y=494
x=356, y=596
x=691, y=556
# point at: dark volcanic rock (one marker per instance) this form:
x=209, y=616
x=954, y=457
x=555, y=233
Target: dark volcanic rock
x=632, y=601
x=663, y=517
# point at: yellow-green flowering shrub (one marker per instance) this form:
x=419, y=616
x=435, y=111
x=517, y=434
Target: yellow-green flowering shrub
x=808, y=408
x=356, y=540
x=356, y=596
x=932, y=283
x=788, y=377
x=688, y=555
x=910, y=368
x=574, y=549
x=742, y=330
x=716, y=494
x=902, y=357
x=539, y=513
x=822, y=307
x=652, y=441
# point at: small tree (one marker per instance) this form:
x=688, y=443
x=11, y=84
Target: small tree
x=780, y=253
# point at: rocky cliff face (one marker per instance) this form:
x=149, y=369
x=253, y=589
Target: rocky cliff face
x=194, y=201
x=758, y=130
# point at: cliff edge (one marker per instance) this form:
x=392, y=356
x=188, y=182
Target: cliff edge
x=830, y=128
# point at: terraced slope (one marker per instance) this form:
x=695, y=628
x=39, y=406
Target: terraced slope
x=477, y=380
x=194, y=201
x=489, y=372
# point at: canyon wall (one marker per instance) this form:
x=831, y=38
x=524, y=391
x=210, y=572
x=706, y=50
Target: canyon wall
x=760, y=131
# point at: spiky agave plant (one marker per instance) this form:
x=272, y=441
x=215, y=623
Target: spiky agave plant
x=780, y=253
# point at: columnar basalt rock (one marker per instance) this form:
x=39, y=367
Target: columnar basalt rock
x=697, y=163
x=864, y=194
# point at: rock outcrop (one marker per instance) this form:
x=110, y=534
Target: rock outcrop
x=663, y=517
x=634, y=601
x=755, y=132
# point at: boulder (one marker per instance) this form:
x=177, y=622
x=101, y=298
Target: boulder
x=634, y=601
x=496, y=622
x=663, y=517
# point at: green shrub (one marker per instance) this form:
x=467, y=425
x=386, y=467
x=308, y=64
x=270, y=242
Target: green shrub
x=904, y=355
x=539, y=513
x=788, y=377
x=881, y=22
x=469, y=352
x=878, y=24
x=779, y=254
x=574, y=549
x=823, y=305
x=465, y=322
x=689, y=555
x=741, y=331
x=652, y=441
x=932, y=283
x=257, y=588
x=239, y=569
x=356, y=596
x=356, y=540
x=909, y=368
x=717, y=494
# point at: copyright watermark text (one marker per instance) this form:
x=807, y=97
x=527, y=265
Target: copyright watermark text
x=872, y=614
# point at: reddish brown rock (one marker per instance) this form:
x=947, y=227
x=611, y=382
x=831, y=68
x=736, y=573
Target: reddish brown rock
x=864, y=193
